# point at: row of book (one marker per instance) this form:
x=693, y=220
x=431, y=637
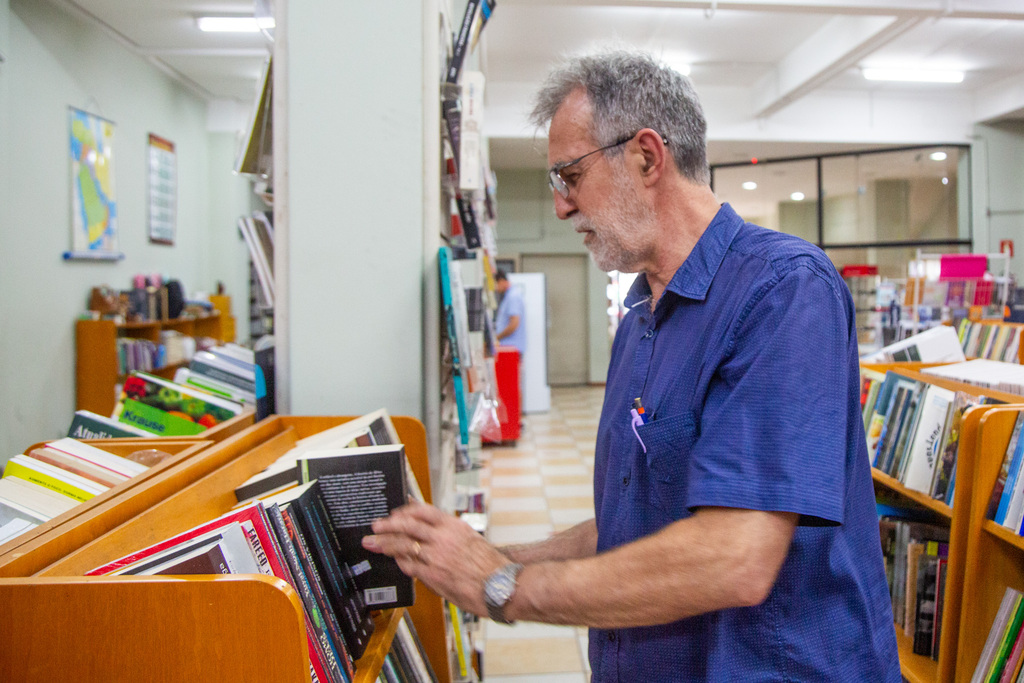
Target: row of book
x=1006, y=505
x=406, y=662
x=48, y=481
x=990, y=341
x=913, y=431
x=987, y=374
x=1002, y=658
x=219, y=383
x=302, y=520
x=916, y=556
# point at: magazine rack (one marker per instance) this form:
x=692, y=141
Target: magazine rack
x=234, y=627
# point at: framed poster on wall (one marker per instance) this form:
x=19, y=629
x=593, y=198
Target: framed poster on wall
x=163, y=190
x=93, y=199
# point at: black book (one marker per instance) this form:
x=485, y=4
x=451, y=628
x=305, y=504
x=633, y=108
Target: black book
x=467, y=215
x=301, y=584
x=316, y=583
x=926, y=600
x=461, y=46
x=360, y=485
x=344, y=598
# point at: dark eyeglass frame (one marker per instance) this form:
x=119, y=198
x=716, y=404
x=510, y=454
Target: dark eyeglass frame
x=558, y=184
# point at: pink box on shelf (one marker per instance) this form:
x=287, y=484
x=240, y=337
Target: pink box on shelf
x=962, y=266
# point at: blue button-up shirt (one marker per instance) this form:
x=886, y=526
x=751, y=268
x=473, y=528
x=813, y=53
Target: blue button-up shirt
x=748, y=373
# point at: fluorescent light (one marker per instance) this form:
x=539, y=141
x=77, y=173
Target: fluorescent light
x=750, y=185
x=938, y=156
x=914, y=75
x=945, y=181
x=234, y=24
x=797, y=196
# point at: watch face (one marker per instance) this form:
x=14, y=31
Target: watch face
x=500, y=587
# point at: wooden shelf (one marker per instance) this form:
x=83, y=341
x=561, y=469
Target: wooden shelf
x=980, y=565
x=915, y=668
x=96, y=367
x=236, y=627
x=922, y=499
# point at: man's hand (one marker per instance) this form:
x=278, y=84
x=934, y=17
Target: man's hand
x=440, y=550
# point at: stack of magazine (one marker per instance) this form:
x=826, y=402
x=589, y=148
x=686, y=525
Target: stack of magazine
x=50, y=480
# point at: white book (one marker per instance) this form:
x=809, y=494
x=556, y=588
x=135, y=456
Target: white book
x=98, y=456
x=15, y=527
x=923, y=453
x=49, y=470
x=982, y=372
x=34, y=499
x=234, y=551
x=939, y=344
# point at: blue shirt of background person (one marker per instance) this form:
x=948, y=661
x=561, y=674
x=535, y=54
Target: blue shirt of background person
x=510, y=320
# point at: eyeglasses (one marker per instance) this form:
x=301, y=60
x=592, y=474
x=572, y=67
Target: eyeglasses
x=555, y=180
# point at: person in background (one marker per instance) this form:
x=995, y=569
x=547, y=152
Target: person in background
x=509, y=321
x=735, y=536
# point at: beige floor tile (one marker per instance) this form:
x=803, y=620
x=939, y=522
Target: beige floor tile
x=532, y=656
x=527, y=629
x=517, y=492
x=537, y=678
x=518, y=517
x=566, y=490
x=516, y=480
x=568, y=479
x=570, y=502
x=549, y=468
x=514, y=504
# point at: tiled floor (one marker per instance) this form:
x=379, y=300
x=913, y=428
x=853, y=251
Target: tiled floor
x=542, y=485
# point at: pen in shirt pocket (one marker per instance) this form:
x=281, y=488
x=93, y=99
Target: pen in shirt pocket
x=639, y=418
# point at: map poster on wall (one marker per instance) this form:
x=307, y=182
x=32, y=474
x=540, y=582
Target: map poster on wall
x=93, y=200
x=163, y=190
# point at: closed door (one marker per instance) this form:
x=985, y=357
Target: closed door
x=566, y=277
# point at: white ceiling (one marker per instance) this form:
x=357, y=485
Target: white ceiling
x=777, y=77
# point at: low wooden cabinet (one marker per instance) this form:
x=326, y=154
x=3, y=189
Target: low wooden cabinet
x=60, y=625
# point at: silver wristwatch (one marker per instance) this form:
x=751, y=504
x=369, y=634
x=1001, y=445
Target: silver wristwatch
x=498, y=590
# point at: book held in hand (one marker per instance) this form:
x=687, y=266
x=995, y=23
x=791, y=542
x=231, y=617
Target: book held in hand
x=361, y=485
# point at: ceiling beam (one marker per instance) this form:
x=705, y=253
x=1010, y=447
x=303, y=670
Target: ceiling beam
x=961, y=9
x=839, y=45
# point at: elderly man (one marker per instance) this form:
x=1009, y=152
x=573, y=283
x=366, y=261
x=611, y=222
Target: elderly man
x=735, y=536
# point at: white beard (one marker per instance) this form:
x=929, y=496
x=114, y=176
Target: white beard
x=618, y=234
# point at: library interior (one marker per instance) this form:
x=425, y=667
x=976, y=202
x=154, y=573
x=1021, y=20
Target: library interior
x=230, y=356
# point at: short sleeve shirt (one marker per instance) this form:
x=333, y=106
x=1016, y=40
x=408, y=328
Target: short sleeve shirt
x=512, y=304
x=748, y=373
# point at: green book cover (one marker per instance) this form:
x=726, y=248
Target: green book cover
x=88, y=426
x=1007, y=643
x=157, y=421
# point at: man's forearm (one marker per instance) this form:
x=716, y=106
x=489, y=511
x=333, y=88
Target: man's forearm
x=573, y=543
x=715, y=560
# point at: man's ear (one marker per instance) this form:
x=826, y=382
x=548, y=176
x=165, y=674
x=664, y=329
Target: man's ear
x=655, y=155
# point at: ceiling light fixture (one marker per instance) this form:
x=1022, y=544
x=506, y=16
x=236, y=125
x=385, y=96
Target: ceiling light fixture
x=750, y=185
x=233, y=24
x=938, y=156
x=914, y=75
x=797, y=196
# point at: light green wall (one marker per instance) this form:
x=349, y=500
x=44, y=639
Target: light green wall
x=356, y=210
x=55, y=61
x=527, y=225
x=997, y=170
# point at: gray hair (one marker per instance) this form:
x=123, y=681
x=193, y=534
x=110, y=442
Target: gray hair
x=629, y=90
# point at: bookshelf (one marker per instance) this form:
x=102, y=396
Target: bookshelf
x=997, y=325
x=958, y=620
x=96, y=354
x=995, y=555
x=232, y=627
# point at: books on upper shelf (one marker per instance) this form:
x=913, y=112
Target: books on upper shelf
x=164, y=408
x=89, y=425
x=289, y=539
x=1006, y=504
x=1001, y=657
x=938, y=344
x=913, y=431
x=990, y=341
x=990, y=374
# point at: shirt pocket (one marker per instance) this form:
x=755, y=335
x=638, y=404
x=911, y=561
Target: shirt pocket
x=669, y=441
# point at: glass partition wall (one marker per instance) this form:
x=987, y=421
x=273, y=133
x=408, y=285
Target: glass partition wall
x=874, y=208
